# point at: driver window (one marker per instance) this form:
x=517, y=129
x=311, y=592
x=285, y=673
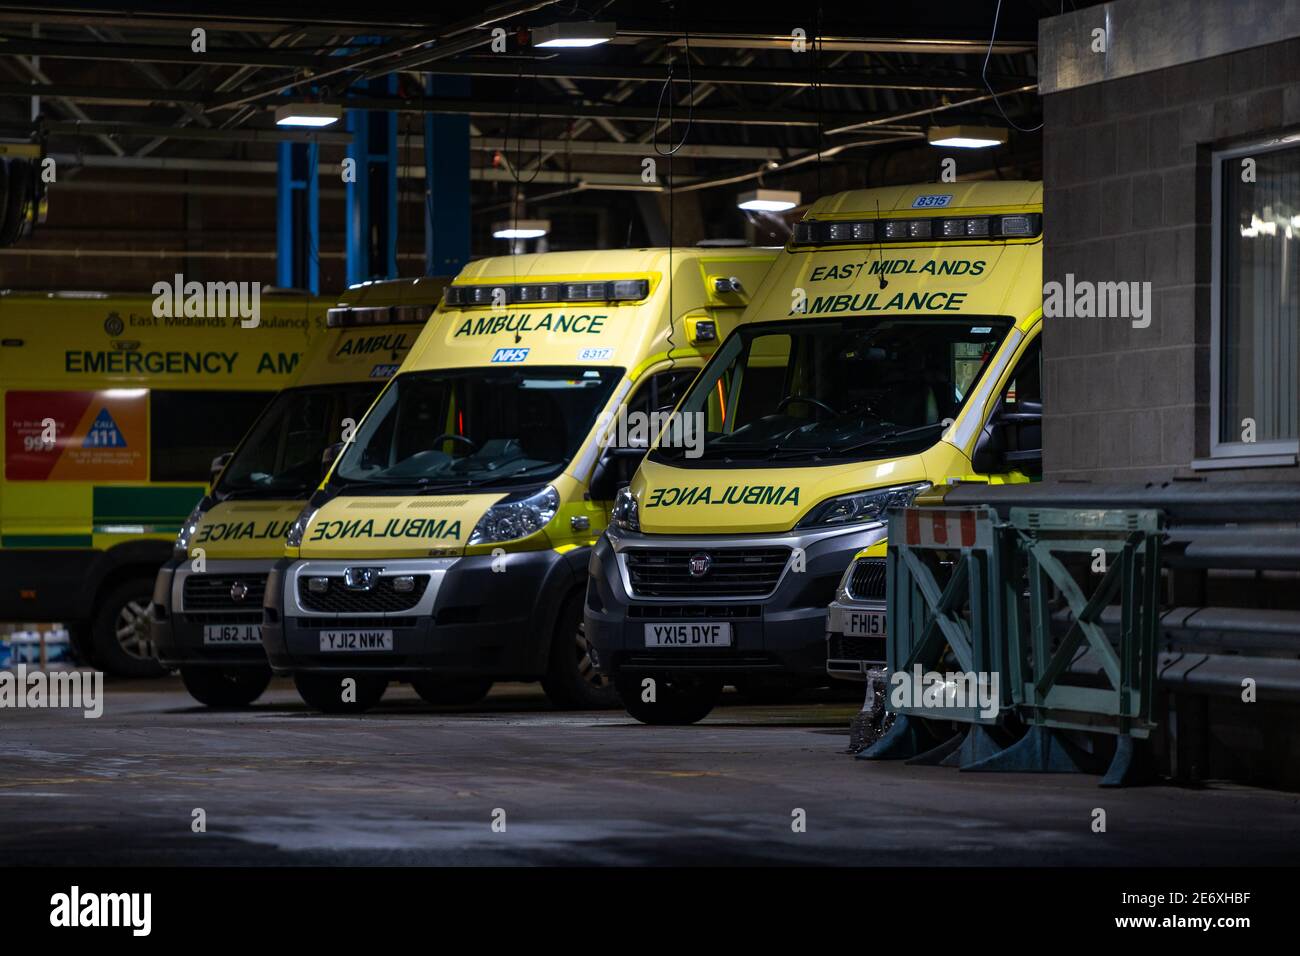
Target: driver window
x=1026, y=383
x=662, y=392
x=760, y=383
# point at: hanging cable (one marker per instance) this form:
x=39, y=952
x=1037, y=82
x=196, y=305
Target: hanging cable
x=817, y=91
x=984, y=75
x=666, y=90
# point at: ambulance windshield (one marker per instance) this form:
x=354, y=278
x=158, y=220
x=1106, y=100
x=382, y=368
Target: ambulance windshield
x=475, y=426
x=837, y=389
x=281, y=455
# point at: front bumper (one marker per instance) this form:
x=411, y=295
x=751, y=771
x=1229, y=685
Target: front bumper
x=782, y=632
x=850, y=654
x=479, y=616
x=190, y=628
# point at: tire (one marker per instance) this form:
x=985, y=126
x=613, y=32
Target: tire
x=324, y=692
x=15, y=196
x=225, y=686
x=572, y=681
x=680, y=699
x=119, y=636
x=435, y=690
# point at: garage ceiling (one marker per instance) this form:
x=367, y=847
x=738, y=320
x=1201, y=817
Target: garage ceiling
x=115, y=89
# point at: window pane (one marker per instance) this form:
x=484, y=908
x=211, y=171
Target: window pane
x=188, y=429
x=1260, y=308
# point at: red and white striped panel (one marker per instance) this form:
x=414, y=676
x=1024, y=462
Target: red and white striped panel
x=942, y=528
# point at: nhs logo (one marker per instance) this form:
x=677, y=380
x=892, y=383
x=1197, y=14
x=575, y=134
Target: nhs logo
x=509, y=355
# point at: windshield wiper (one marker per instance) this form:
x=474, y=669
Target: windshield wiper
x=385, y=484
x=269, y=491
x=798, y=452
x=889, y=436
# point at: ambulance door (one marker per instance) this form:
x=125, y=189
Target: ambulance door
x=657, y=394
x=1010, y=446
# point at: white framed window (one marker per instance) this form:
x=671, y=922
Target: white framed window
x=1255, y=305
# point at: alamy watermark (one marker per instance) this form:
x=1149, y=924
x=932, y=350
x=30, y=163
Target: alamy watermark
x=1098, y=300
x=77, y=909
x=208, y=300
x=951, y=689
x=83, y=690
x=638, y=429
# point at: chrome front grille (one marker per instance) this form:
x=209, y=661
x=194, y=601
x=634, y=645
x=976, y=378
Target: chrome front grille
x=867, y=580
x=380, y=598
x=705, y=572
x=224, y=592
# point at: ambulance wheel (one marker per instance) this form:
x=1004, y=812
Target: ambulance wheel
x=572, y=681
x=679, y=698
x=120, y=635
x=439, y=690
x=225, y=686
x=324, y=692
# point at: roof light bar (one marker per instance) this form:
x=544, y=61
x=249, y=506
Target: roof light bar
x=812, y=232
x=525, y=293
x=349, y=317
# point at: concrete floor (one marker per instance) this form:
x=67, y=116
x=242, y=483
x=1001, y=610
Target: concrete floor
x=406, y=784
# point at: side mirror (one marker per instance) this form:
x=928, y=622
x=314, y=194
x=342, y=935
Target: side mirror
x=218, y=465
x=1011, y=441
x=614, y=470
x=328, y=456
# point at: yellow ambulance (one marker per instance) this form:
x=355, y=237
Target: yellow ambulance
x=448, y=546
x=207, y=600
x=114, y=407
x=875, y=361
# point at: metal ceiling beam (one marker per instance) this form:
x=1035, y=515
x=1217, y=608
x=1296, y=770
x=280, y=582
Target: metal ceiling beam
x=651, y=73
x=65, y=103
x=121, y=51
x=98, y=93
x=397, y=55
x=778, y=41
x=138, y=53
x=96, y=129
x=132, y=96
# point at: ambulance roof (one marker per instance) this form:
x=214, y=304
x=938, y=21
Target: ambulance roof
x=569, y=332
x=965, y=196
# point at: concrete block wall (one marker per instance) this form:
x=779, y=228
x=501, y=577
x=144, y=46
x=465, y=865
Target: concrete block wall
x=1126, y=167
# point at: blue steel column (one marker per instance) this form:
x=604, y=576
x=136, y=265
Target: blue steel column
x=372, y=198
x=297, y=222
x=446, y=182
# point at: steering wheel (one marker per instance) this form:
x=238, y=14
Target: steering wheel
x=448, y=436
x=804, y=398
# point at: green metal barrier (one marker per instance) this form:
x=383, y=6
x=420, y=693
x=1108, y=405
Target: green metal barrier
x=944, y=641
x=980, y=622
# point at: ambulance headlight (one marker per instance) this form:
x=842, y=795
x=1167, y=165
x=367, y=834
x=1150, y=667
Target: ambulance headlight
x=863, y=506
x=517, y=516
x=299, y=527
x=188, y=527
x=624, y=515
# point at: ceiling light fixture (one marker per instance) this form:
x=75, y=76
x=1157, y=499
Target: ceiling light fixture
x=769, y=200
x=313, y=115
x=521, y=229
x=967, y=137
x=574, y=35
